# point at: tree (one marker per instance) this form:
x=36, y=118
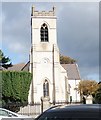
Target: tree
x=87, y=87
x=66, y=60
x=98, y=94
x=4, y=61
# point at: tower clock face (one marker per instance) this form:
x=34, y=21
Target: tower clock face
x=45, y=60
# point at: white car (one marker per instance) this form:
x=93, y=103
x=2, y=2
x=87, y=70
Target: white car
x=9, y=115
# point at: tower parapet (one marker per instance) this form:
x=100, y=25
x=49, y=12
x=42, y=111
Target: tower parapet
x=43, y=13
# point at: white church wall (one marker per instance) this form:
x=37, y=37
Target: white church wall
x=60, y=75
x=42, y=67
x=39, y=75
x=74, y=93
x=64, y=82
x=59, y=95
x=59, y=81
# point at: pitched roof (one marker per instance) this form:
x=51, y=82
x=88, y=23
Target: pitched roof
x=72, y=71
x=26, y=66
x=16, y=67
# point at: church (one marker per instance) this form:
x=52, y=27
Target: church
x=51, y=80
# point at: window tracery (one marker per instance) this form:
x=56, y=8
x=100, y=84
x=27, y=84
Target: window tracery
x=44, y=33
x=45, y=88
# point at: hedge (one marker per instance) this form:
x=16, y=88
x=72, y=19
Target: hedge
x=15, y=86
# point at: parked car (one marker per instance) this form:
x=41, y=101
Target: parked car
x=72, y=112
x=9, y=115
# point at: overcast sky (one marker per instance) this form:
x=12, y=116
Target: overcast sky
x=77, y=32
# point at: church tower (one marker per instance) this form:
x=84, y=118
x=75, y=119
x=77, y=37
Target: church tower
x=49, y=77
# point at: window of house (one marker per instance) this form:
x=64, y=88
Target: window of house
x=44, y=33
x=45, y=88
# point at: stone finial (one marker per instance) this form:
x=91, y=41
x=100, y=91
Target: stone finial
x=33, y=9
x=54, y=8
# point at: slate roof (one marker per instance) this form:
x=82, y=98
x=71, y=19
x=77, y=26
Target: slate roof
x=16, y=67
x=72, y=71
x=26, y=67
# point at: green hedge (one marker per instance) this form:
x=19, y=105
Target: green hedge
x=15, y=86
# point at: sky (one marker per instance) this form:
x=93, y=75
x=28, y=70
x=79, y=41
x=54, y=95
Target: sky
x=77, y=32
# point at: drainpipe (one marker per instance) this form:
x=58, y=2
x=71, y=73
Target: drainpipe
x=53, y=79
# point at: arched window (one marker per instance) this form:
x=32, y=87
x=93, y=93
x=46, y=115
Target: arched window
x=44, y=33
x=45, y=88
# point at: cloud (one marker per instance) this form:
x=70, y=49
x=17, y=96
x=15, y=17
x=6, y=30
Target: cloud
x=16, y=31
x=80, y=36
x=16, y=47
x=79, y=29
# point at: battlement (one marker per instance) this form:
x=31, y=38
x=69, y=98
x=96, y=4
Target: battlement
x=42, y=13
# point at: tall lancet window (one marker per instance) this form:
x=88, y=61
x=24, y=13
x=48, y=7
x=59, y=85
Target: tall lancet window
x=44, y=33
x=45, y=88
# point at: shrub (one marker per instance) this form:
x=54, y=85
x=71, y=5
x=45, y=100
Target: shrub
x=15, y=88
